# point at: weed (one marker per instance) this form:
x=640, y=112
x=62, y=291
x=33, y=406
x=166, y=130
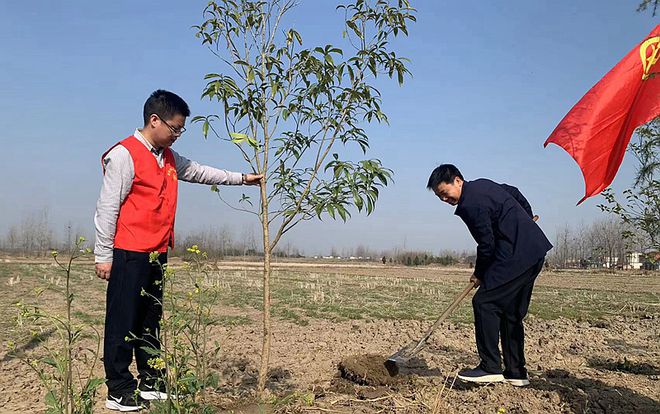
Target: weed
x=185, y=353
x=66, y=366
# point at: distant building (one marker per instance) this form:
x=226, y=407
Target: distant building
x=650, y=260
x=634, y=261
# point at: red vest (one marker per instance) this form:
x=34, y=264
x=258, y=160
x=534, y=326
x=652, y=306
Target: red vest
x=146, y=217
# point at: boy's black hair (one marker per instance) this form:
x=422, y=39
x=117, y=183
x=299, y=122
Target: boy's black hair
x=444, y=173
x=166, y=105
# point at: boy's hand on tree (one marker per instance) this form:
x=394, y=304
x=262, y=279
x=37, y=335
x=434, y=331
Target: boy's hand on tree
x=252, y=179
x=103, y=270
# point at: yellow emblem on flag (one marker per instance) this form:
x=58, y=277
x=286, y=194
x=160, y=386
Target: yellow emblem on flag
x=649, y=59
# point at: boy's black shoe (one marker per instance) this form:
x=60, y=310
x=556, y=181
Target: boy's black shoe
x=479, y=375
x=125, y=402
x=152, y=390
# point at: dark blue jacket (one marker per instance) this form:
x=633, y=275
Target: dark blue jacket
x=500, y=220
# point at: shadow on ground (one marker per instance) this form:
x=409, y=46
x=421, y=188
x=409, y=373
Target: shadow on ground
x=241, y=376
x=588, y=395
x=28, y=346
x=623, y=365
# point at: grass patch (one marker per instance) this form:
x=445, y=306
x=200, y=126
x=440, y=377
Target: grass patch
x=87, y=318
x=589, y=304
x=341, y=297
x=300, y=296
x=226, y=320
x=291, y=315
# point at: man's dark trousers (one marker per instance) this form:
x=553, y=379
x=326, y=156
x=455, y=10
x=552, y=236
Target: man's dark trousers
x=129, y=312
x=500, y=312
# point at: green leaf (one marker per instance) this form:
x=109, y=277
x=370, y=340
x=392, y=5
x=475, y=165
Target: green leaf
x=49, y=361
x=92, y=385
x=253, y=143
x=358, y=201
x=342, y=212
x=354, y=27
x=205, y=129
x=245, y=199
x=237, y=138
x=298, y=37
x=151, y=351
x=51, y=400
x=214, y=188
x=331, y=211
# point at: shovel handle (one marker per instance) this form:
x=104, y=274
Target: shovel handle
x=444, y=316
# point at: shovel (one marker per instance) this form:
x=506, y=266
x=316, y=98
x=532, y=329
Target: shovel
x=399, y=359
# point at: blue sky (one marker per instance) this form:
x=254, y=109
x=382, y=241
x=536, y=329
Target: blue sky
x=490, y=82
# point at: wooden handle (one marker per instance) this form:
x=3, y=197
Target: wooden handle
x=453, y=305
x=444, y=316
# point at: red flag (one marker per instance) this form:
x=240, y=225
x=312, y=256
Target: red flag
x=597, y=130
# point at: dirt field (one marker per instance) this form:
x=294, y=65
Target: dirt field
x=593, y=339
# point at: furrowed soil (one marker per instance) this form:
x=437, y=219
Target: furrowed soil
x=592, y=340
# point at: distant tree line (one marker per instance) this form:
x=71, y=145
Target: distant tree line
x=417, y=258
x=218, y=242
x=34, y=236
x=221, y=242
x=605, y=243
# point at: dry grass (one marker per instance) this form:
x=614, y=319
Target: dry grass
x=339, y=294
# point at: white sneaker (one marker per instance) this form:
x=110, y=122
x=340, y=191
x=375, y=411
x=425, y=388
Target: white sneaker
x=517, y=382
x=124, y=403
x=479, y=375
x=154, y=391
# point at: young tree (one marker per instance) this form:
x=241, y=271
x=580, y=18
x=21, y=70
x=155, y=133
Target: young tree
x=641, y=208
x=608, y=244
x=560, y=254
x=293, y=112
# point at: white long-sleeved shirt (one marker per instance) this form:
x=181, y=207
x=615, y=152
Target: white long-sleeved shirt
x=117, y=182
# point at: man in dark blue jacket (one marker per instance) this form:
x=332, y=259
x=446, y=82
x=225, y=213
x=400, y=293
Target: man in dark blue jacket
x=510, y=254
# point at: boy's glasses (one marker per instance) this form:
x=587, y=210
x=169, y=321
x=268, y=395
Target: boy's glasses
x=175, y=131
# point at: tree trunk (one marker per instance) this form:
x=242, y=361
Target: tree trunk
x=265, y=351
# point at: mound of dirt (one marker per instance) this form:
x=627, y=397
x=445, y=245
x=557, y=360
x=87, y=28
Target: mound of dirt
x=366, y=369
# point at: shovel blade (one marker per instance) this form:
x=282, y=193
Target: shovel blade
x=394, y=363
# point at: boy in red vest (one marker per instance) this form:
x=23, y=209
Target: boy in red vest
x=134, y=217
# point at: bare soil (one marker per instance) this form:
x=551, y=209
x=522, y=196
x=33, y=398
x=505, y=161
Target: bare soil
x=604, y=364
x=576, y=367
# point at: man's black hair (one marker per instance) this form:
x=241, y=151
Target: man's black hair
x=166, y=105
x=444, y=173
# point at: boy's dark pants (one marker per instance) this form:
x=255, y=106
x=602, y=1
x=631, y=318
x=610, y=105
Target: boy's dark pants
x=499, y=312
x=129, y=312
